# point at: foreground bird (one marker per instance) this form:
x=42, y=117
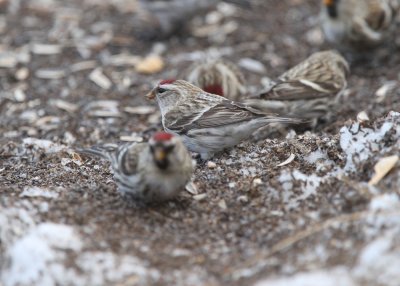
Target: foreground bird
x=357, y=24
x=219, y=77
x=206, y=122
x=151, y=172
x=311, y=88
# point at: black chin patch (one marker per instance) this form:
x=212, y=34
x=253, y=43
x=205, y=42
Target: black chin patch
x=332, y=10
x=162, y=164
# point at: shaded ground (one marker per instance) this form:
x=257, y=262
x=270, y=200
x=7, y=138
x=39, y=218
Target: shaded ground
x=61, y=220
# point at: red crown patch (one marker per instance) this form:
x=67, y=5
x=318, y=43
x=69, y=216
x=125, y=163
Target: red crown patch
x=162, y=136
x=166, y=81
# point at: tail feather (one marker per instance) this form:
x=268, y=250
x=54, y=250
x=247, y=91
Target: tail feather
x=287, y=119
x=107, y=151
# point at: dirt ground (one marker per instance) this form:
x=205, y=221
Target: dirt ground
x=313, y=220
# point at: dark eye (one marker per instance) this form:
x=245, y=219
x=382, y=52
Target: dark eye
x=161, y=90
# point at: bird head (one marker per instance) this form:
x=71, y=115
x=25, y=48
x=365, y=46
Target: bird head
x=171, y=93
x=214, y=89
x=331, y=6
x=162, y=145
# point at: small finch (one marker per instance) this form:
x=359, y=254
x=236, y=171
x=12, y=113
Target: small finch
x=151, y=172
x=311, y=88
x=357, y=24
x=219, y=77
x=207, y=123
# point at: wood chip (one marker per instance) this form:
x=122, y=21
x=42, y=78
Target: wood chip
x=243, y=199
x=192, y=188
x=131, y=138
x=150, y=65
x=84, y=65
x=383, y=167
x=222, y=204
x=124, y=60
x=384, y=90
x=141, y=110
x=8, y=60
x=200, y=197
x=100, y=79
x=64, y=105
x=256, y=182
x=46, y=49
x=50, y=73
x=287, y=161
x=362, y=117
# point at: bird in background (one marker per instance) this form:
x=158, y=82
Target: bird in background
x=357, y=25
x=218, y=76
x=155, y=171
x=312, y=88
x=207, y=123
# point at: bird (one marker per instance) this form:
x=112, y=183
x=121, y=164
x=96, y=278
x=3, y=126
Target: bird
x=312, y=88
x=357, y=25
x=154, y=171
x=218, y=76
x=207, y=123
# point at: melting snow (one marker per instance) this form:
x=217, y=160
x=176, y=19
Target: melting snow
x=38, y=192
x=358, y=143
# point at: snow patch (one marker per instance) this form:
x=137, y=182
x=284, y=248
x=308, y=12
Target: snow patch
x=47, y=145
x=337, y=276
x=358, y=143
x=101, y=267
x=31, y=256
x=38, y=192
x=379, y=262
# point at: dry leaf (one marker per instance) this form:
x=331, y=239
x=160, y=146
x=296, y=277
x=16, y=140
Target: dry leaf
x=383, y=167
x=151, y=64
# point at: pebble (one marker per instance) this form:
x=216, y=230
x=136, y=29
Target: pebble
x=211, y=165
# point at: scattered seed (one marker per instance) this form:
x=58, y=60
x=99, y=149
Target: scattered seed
x=46, y=49
x=141, y=110
x=50, y=73
x=222, y=204
x=252, y=65
x=256, y=182
x=200, y=197
x=81, y=66
x=100, y=79
x=211, y=165
x=287, y=161
x=22, y=74
x=243, y=199
x=64, y=105
x=8, y=60
x=131, y=138
x=192, y=188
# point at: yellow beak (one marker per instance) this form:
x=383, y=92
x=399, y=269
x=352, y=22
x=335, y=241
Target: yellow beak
x=160, y=155
x=151, y=94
